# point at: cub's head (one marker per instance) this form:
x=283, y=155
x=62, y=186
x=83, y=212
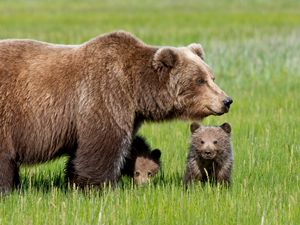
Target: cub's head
x=211, y=142
x=146, y=166
x=191, y=82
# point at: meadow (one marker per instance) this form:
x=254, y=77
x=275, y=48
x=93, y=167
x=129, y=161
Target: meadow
x=254, y=50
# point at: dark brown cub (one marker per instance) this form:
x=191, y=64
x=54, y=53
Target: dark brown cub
x=142, y=164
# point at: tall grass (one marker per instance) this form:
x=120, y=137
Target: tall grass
x=253, y=47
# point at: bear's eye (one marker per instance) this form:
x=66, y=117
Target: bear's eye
x=215, y=142
x=149, y=174
x=202, y=142
x=136, y=173
x=200, y=81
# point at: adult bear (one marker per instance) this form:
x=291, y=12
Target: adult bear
x=88, y=101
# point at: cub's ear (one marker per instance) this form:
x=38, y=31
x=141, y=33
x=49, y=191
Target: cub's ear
x=197, y=49
x=155, y=154
x=194, y=126
x=164, y=59
x=226, y=127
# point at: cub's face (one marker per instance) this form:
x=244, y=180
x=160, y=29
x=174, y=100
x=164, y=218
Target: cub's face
x=211, y=142
x=146, y=167
x=191, y=81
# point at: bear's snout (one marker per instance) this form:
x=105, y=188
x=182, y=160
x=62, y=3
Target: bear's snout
x=208, y=154
x=227, y=102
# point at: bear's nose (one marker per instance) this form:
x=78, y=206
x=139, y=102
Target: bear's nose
x=227, y=102
x=207, y=152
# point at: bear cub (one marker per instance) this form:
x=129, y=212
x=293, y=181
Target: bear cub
x=142, y=164
x=210, y=156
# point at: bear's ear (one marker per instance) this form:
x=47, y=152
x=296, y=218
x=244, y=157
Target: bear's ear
x=226, y=127
x=164, y=59
x=197, y=49
x=155, y=154
x=194, y=126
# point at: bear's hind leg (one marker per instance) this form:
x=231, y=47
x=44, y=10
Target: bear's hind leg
x=9, y=173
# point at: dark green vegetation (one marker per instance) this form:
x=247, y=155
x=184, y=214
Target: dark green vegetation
x=254, y=49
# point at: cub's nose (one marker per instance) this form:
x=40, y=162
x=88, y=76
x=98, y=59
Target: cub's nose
x=207, y=152
x=227, y=102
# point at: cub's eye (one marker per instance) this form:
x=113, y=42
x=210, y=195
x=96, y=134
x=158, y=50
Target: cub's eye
x=215, y=142
x=149, y=174
x=202, y=142
x=200, y=81
x=136, y=173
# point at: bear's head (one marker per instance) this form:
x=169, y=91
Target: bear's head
x=146, y=166
x=211, y=142
x=190, y=82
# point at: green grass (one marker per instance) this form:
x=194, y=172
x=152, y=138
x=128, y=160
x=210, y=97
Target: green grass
x=254, y=49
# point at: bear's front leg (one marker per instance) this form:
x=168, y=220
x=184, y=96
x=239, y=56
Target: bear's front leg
x=192, y=174
x=9, y=172
x=99, y=157
x=223, y=175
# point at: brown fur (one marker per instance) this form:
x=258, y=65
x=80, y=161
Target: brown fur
x=88, y=101
x=210, y=156
x=141, y=164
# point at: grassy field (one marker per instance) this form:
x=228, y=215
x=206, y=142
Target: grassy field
x=254, y=49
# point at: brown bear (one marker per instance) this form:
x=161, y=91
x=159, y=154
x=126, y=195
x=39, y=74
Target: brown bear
x=141, y=164
x=88, y=101
x=210, y=156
